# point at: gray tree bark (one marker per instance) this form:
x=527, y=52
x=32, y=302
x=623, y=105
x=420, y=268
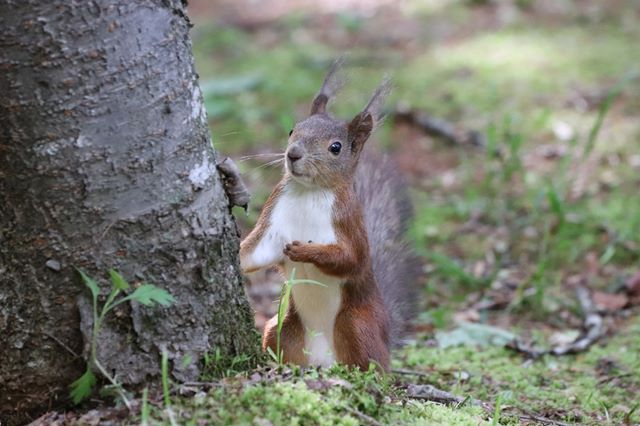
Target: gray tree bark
x=106, y=162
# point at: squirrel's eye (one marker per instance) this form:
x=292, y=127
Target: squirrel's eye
x=290, y=132
x=335, y=148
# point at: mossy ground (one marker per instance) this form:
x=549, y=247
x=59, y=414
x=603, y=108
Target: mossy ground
x=506, y=230
x=596, y=387
x=593, y=388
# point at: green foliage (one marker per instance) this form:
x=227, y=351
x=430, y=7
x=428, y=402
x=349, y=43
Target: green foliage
x=146, y=294
x=91, y=284
x=117, y=281
x=83, y=386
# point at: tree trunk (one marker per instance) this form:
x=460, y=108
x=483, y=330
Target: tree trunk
x=106, y=162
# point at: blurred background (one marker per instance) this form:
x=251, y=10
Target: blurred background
x=515, y=121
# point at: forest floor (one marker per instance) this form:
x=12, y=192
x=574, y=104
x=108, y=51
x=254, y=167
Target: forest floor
x=542, y=203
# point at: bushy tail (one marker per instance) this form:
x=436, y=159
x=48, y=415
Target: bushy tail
x=387, y=212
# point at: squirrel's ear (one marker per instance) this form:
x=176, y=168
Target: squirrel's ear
x=363, y=124
x=359, y=130
x=331, y=84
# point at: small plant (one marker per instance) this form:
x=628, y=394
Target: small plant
x=497, y=411
x=283, y=305
x=146, y=294
x=219, y=364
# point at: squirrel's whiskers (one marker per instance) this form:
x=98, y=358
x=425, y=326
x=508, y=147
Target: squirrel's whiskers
x=249, y=157
x=265, y=165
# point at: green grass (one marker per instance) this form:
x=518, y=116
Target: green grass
x=517, y=78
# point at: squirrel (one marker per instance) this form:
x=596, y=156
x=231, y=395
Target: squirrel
x=338, y=216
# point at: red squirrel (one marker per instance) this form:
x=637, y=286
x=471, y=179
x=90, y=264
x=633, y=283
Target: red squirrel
x=338, y=217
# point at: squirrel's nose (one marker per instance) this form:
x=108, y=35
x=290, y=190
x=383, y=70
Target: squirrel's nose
x=294, y=154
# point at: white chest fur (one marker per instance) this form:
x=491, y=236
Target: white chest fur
x=306, y=215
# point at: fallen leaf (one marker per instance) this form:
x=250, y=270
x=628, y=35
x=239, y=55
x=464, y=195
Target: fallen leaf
x=474, y=335
x=609, y=302
x=468, y=315
x=562, y=338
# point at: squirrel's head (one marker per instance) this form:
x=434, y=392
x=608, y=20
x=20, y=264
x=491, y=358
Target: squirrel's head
x=323, y=151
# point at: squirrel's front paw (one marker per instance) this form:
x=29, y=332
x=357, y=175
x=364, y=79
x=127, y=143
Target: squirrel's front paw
x=296, y=251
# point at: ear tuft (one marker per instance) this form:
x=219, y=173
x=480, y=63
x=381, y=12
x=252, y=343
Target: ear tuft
x=332, y=83
x=375, y=106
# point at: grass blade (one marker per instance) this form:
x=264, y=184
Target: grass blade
x=165, y=378
x=603, y=110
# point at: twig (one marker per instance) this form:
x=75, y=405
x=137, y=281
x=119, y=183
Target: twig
x=540, y=419
x=61, y=343
x=409, y=372
x=431, y=393
x=520, y=347
x=593, y=326
x=439, y=128
x=117, y=386
x=192, y=387
x=362, y=416
x=610, y=378
x=204, y=384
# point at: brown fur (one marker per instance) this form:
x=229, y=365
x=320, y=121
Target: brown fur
x=351, y=253
x=363, y=325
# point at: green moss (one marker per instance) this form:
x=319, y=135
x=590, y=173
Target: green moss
x=583, y=389
x=338, y=396
x=281, y=403
x=577, y=388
